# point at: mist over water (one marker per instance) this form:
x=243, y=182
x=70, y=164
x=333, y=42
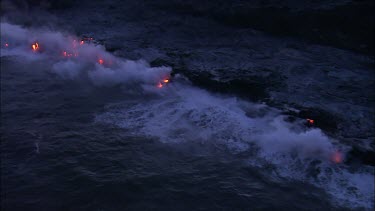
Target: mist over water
x=75, y=59
x=188, y=114
x=178, y=112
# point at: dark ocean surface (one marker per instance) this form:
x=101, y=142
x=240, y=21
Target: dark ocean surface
x=55, y=156
x=227, y=132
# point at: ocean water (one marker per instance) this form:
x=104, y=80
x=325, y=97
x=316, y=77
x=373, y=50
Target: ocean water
x=94, y=131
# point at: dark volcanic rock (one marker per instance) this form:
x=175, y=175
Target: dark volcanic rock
x=360, y=155
x=253, y=88
x=321, y=118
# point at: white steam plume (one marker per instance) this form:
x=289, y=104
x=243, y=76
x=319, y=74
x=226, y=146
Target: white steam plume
x=74, y=59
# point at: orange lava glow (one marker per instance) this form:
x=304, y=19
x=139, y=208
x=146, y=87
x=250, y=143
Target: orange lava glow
x=310, y=121
x=35, y=46
x=101, y=61
x=162, y=82
x=337, y=157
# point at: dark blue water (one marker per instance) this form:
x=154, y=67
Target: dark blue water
x=56, y=157
x=76, y=135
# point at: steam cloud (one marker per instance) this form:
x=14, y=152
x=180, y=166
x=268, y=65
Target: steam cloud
x=185, y=113
x=73, y=60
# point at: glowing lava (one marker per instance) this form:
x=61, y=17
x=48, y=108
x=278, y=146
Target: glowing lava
x=6, y=45
x=35, y=47
x=337, y=157
x=101, y=61
x=162, y=83
x=310, y=121
x=82, y=42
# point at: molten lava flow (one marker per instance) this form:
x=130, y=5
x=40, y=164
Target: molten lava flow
x=162, y=83
x=101, y=61
x=337, y=157
x=35, y=47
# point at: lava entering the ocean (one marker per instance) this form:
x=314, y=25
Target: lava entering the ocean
x=337, y=157
x=35, y=47
x=310, y=121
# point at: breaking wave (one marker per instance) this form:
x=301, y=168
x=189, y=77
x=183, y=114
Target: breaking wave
x=188, y=114
x=182, y=113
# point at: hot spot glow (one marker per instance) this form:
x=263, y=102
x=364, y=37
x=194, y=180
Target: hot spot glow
x=101, y=61
x=310, y=121
x=337, y=157
x=162, y=83
x=82, y=42
x=35, y=46
x=6, y=45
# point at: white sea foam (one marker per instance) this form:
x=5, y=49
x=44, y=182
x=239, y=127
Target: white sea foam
x=185, y=113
